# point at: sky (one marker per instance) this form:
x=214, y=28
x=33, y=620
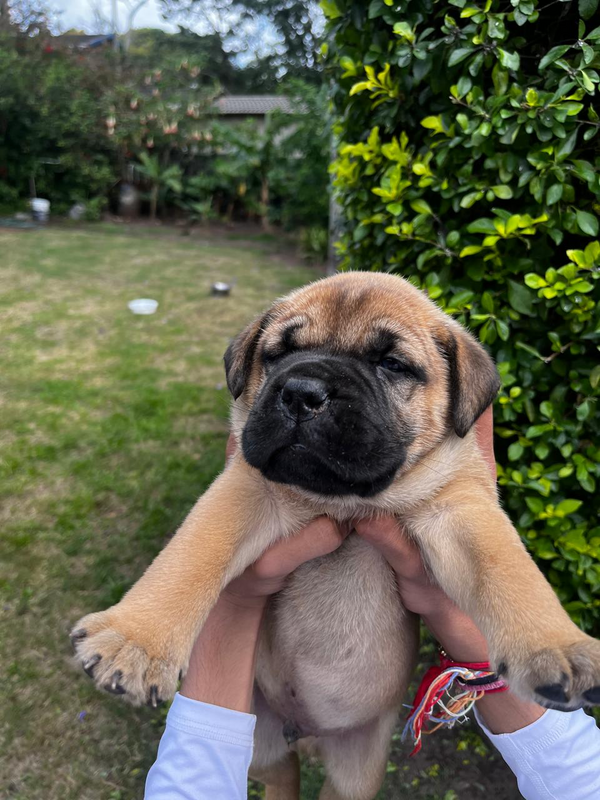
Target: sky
x=78, y=14
x=259, y=35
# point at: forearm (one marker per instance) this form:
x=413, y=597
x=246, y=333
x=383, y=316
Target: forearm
x=221, y=669
x=459, y=636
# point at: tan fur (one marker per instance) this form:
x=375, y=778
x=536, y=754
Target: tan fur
x=338, y=636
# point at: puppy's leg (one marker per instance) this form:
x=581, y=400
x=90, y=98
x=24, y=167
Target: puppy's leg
x=273, y=763
x=282, y=779
x=140, y=646
x=355, y=762
x=478, y=558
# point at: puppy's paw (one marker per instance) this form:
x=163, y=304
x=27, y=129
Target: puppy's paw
x=121, y=663
x=563, y=677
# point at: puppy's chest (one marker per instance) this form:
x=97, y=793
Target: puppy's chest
x=334, y=638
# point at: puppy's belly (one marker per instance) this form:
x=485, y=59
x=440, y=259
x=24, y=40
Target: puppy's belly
x=338, y=648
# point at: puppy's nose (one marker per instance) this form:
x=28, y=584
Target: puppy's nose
x=304, y=397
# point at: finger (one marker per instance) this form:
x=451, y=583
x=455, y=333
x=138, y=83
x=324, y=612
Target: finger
x=387, y=536
x=320, y=537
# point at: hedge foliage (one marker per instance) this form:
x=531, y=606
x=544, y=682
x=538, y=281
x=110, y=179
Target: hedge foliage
x=468, y=162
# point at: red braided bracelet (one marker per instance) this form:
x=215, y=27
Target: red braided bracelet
x=474, y=679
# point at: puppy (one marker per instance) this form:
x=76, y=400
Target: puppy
x=353, y=396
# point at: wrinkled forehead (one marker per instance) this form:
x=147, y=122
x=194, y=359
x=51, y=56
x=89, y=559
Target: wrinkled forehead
x=349, y=314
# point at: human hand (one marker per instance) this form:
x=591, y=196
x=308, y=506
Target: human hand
x=419, y=592
x=268, y=574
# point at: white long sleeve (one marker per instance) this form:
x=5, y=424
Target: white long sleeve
x=557, y=757
x=206, y=750
x=204, y=754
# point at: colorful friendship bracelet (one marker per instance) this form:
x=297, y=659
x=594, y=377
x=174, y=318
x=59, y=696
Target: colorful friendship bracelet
x=475, y=679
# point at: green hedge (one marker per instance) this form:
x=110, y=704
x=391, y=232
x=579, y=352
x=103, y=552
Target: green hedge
x=468, y=162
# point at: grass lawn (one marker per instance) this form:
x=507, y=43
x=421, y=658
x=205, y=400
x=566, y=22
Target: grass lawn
x=111, y=425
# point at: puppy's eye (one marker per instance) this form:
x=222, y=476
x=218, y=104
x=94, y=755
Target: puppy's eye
x=393, y=365
x=269, y=356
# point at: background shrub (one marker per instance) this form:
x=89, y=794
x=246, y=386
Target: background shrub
x=468, y=161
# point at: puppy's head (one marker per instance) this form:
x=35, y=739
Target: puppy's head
x=346, y=383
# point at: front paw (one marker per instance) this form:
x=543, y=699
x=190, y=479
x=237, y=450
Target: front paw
x=560, y=676
x=124, y=659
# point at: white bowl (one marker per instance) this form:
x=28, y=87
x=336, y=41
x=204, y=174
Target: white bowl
x=143, y=305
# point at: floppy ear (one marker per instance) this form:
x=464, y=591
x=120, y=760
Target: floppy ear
x=473, y=378
x=240, y=354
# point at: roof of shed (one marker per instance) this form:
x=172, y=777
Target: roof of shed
x=252, y=104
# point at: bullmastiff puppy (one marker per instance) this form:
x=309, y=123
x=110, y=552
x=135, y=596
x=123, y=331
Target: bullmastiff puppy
x=352, y=397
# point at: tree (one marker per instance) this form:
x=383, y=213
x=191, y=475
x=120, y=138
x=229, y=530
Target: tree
x=52, y=123
x=291, y=29
x=131, y=8
x=243, y=169
x=25, y=17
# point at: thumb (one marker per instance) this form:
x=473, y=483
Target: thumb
x=386, y=535
x=319, y=538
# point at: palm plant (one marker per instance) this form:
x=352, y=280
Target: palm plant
x=161, y=178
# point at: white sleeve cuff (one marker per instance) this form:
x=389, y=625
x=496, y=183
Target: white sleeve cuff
x=211, y=722
x=555, y=758
x=204, y=753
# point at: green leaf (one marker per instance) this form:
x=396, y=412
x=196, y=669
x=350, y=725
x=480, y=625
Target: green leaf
x=588, y=53
x=567, y=145
x=453, y=238
x=595, y=376
x=403, y=29
x=571, y=108
x=529, y=349
x=587, y=81
x=575, y=540
x=503, y=330
x=531, y=97
x=420, y=206
x=587, y=222
x=482, y=225
x=464, y=85
x=509, y=60
x=469, y=199
x=569, y=506
x=487, y=301
x=587, y=8
x=502, y=191
x=583, y=287
x=330, y=9
x=554, y=193
x=538, y=430
x=584, y=410
x=520, y=298
x=515, y=451
x=359, y=87
x=553, y=54
x=535, y=281
x=395, y=208
x=470, y=250
x=434, y=123
x=458, y=55
x=535, y=504
x=500, y=79
x=460, y=299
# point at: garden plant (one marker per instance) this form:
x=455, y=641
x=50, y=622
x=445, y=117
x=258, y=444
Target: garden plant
x=468, y=162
